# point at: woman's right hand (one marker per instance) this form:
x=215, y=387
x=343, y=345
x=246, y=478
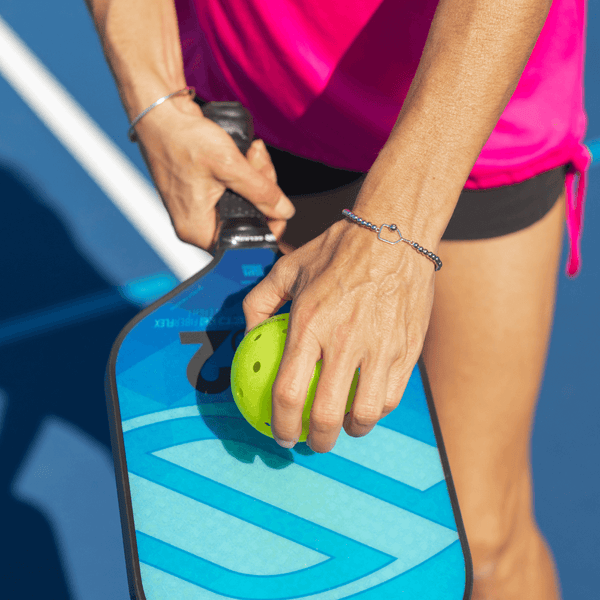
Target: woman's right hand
x=193, y=160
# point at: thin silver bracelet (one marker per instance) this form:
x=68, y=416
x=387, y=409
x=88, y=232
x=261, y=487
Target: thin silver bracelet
x=427, y=253
x=186, y=90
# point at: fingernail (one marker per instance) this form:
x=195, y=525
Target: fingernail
x=283, y=444
x=285, y=208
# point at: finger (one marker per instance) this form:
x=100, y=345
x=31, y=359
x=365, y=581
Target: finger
x=239, y=175
x=300, y=355
x=329, y=406
x=258, y=156
x=370, y=398
x=285, y=248
x=398, y=379
x=266, y=298
x=277, y=227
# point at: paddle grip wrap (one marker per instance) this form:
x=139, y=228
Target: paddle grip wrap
x=236, y=120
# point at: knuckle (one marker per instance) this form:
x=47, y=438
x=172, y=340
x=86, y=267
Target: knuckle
x=413, y=345
x=280, y=266
x=224, y=165
x=392, y=354
x=366, y=416
x=266, y=187
x=343, y=335
x=390, y=407
x=226, y=159
x=401, y=356
x=182, y=232
x=286, y=396
x=325, y=420
x=397, y=383
x=278, y=273
x=248, y=300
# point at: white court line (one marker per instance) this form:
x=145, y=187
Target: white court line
x=105, y=163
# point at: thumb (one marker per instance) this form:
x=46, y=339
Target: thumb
x=266, y=298
x=258, y=156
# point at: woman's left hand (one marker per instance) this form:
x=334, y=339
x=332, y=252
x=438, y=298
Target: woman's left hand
x=357, y=302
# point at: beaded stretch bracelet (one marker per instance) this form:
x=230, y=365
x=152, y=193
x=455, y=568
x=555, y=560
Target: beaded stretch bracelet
x=423, y=251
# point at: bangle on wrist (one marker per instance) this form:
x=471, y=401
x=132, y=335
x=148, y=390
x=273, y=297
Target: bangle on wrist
x=186, y=90
x=430, y=255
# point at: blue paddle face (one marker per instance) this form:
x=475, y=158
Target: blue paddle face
x=213, y=509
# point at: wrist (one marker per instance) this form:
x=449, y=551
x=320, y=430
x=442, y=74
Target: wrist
x=139, y=95
x=402, y=213
x=390, y=234
x=406, y=192
x=168, y=119
x=186, y=91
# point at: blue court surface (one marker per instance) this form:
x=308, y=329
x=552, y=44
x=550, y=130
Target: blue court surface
x=86, y=244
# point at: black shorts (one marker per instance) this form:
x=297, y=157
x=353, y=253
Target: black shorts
x=320, y=192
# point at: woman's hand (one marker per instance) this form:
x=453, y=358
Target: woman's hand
x=356, y=302
x=193, y=160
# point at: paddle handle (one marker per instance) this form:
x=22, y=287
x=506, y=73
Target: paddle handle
x=236, y=120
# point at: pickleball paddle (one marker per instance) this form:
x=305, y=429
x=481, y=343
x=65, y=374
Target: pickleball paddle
x=211, y=508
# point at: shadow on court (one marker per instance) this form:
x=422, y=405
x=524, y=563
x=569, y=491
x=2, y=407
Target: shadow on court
x=55, y=472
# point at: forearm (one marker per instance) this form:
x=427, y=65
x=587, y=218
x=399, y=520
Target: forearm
x=474, y=56
x=141, y=43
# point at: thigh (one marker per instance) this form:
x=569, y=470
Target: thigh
x=485, y=354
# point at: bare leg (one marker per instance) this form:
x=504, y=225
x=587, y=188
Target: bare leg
x=485, y=354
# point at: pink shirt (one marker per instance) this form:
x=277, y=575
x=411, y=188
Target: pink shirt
x=326, y=79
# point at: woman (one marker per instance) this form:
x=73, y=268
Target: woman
x=457, y=121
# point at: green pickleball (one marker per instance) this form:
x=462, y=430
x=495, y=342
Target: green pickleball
x=254, y=369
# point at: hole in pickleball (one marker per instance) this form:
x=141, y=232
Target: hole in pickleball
x=267, y=424
x=257, y=336
x=284, y=330
x=241, y=392
x=256, y=367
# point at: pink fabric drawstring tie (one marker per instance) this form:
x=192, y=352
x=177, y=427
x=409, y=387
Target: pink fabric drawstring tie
x=574, y=212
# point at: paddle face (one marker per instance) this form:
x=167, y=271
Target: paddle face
x=211, y=508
